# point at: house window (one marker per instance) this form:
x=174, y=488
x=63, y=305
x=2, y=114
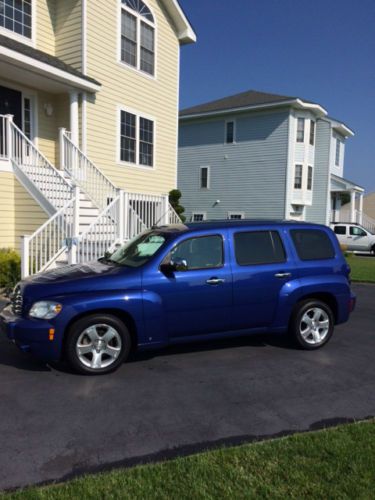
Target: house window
x=15, y=15
x=137, y=36
x=204, y=178
x=198, y=217
x=298, y=177
x=301, y=130
x=229, y=132
x=309, y=178
x=312, y=132
x=236, y=215
x=136, y=139
x=338, y=150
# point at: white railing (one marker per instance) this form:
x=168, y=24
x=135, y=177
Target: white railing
x=173, y=217
x=102, y=234
x=4, y=135
x=42, y=174
x=346, y=215
x=149, y=208
x=85, y=174
x=368, y=223
x=40, y=250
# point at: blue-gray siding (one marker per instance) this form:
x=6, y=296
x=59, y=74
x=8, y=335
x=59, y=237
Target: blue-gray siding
x=318, y=211
x=248, y=176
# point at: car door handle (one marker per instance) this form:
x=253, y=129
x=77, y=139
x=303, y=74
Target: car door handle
x=283, y=275
x=215, y=281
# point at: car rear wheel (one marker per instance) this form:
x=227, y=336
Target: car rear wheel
x=97, y=344
x=312, y=324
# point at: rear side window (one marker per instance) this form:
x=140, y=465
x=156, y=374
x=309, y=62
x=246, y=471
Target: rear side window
x=340, y=230
x=258, y=247
x=312, y=244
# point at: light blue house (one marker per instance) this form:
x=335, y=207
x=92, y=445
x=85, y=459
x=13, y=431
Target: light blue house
x=258, y=155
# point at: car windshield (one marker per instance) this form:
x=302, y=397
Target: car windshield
x=138, y=251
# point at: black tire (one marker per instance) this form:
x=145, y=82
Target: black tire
x=309, y=341
x=373, y=251
x=99, y=325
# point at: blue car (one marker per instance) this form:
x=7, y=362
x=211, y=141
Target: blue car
x=185, y=283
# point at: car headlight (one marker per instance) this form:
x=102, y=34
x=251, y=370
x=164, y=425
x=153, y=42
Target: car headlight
x=45, y=310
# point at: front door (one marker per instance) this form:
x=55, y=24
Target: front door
x=11, y=104
x=358, y=239
x=198, y=300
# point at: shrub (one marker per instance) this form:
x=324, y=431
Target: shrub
x=174, y=200
x=10, y=269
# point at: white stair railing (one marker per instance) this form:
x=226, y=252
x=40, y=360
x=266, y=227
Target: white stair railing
x=102, y=234
x=34, y=165
x=40, y=250
x=368, y=223
x=85, y=174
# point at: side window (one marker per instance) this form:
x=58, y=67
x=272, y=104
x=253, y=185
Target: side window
x=205, y=252
x=357, y=231
x=258, y=247
x=312, y=244
x=340, y=229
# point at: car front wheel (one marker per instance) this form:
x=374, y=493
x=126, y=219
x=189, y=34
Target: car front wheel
x=97, y=344
x=312, y=324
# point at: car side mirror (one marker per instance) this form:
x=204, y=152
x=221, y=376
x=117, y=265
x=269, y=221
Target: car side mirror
x=177, y=265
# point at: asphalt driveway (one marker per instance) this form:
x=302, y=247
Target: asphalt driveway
x=54, y=424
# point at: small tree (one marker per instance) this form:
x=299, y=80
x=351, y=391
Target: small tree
x=174, y=200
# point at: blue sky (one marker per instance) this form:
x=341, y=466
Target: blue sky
x=321, y=50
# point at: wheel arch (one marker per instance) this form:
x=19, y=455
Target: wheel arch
x=124, y=316
x=326, y=297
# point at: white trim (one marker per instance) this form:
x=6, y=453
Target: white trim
x=319, y=110
x=53, y=73
x=185, y=31
x=138, y=115
x=6, y=166
x=231, y=214
x=84, y=37
x=84, y=122
x=139, y=18
x=208, y=178
x=198, y=213
x=289, y=166
x=177, y=114
x=234, y=121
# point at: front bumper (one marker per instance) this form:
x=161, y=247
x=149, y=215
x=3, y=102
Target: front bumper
x=30, y=335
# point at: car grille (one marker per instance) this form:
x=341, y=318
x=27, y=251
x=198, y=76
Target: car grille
x=17, y=301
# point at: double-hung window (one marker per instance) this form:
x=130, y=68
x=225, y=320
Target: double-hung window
x=230, y=132
x=300, y=130
x=298, y=177
x=136, y=139
x=309, y=178
x=138, y=36
x=204, y=178
x=312, y=132
x=15, y=15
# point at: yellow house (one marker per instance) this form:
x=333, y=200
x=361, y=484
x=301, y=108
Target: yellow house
x=88, y=123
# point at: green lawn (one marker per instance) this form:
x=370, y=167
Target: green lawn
x=363, y=268
x=336, y=463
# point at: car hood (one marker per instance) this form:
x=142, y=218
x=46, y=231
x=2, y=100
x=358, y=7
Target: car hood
x=90, y=277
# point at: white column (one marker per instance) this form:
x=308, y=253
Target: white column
x=165, y=215
x=360, y=208
x=84, y=123
x=9, y=137
x=121, y=218
x=61, y=145
x=74, y=117
x=352, y=206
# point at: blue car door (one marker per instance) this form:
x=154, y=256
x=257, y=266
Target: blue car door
x=261, y=268
x=196, y=301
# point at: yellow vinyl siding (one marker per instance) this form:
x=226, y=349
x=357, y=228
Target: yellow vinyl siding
x=68, y=32
x=45, y=18
x=19, y=212
x=123, y=86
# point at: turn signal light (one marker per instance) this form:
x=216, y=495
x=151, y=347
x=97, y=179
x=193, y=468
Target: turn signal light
x=51, y=334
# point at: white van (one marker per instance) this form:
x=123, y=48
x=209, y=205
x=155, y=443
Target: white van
x=354, y=237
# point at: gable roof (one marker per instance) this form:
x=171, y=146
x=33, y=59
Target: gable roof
x=248, y=100
x=185, y=31
x=9, y=44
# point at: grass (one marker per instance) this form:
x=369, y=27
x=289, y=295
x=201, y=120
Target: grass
x=329, y=464
x=363, y=268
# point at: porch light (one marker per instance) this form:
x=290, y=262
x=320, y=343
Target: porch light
x=48, y=109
